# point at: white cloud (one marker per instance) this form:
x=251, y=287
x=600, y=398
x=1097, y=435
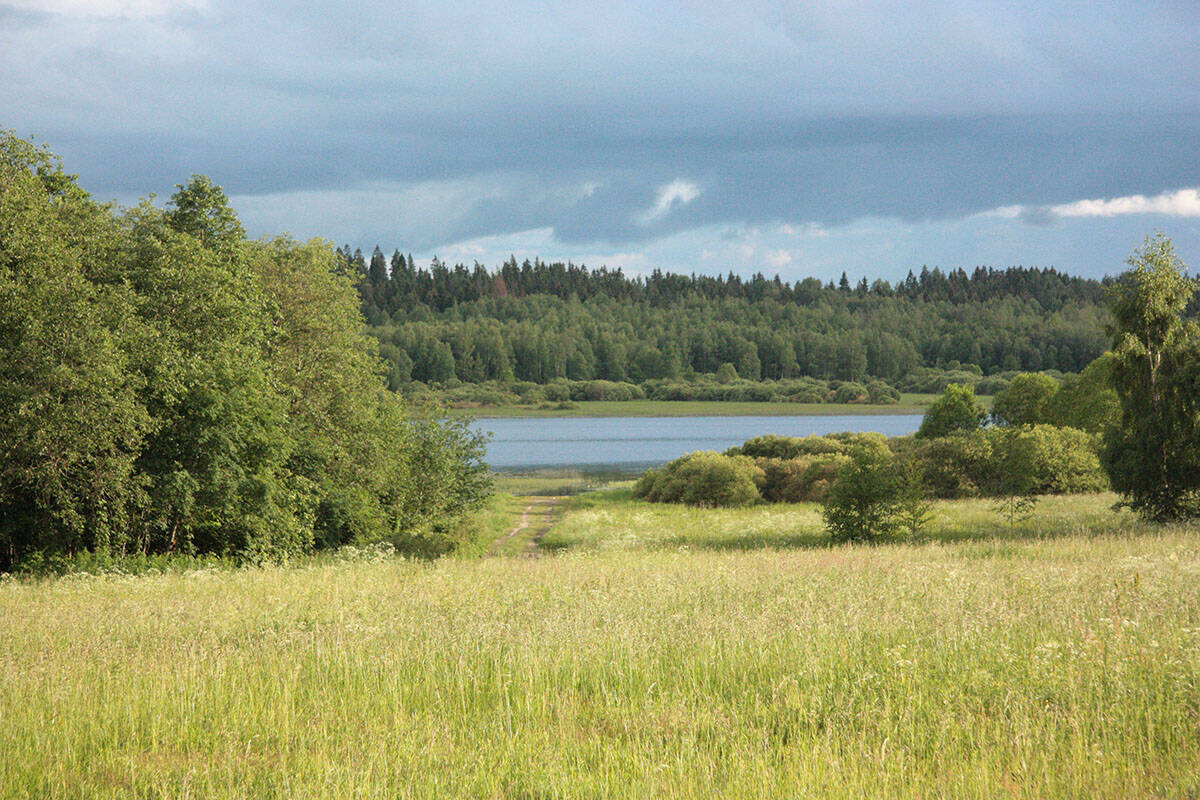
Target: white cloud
x=676, y=193
x=1183, y=203
x=1180, y=203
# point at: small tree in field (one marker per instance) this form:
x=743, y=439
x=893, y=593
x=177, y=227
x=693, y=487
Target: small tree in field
x=914, y=509
x=865, y=500
x=1015, y=508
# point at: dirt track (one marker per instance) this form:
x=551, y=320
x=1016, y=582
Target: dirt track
x=529, y=528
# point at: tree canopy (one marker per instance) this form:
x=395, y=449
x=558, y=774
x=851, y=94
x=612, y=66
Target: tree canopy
x=167, y=385
x=1153, y=454
x=538, y=322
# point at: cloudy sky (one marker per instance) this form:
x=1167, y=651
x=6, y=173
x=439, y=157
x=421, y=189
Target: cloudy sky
x=792, y=138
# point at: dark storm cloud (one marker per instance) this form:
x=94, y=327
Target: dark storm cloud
x=577, y=117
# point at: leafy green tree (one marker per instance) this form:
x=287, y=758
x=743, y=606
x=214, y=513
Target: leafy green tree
x=1027, y=400
x=1153, y=455
x=201, y=209
x=957, y=410
x=1044, y=459
x=70, y=421
x=214, y=465
x=167, y=386
x=865, y=500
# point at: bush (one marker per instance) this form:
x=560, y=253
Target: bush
x=703, y=478
x=1027, y=400
x=1032, y=459
x=1087, y=401
x=605, y=390
x=881, y=393
x=806, y=479
x=557, y=392
x=850, y=392
x=955, y=466
x=1043, y=459
x=785, y=447
x=956, y=410
x=931, y=380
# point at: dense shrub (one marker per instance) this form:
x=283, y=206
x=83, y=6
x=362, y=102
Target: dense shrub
x=1043, y=459
x=774, y=446
x=995, y=462
x=605, y=390
x=703, y=478
x=1087, y=401
x=931, y=380
x=956, y=410
x=954, y=466
x=803, y=479
x=881, y=393
x=850, y=392
x=1037, y=459
x=1027, y=400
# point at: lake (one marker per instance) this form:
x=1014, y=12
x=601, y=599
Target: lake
x=631, y=443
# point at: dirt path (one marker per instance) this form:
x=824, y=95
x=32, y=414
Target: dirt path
x=529, y=529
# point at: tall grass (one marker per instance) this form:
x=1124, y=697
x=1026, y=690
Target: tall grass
x=1028, y=666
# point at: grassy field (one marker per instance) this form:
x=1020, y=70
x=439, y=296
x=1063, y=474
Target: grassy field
x=909, y=404
x=546, y=482
x=659, y=652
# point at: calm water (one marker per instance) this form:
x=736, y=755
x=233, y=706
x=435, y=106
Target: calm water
x=629, y=443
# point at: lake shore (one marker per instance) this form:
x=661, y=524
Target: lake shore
x=909, y=404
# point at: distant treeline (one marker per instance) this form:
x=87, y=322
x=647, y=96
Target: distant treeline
x=540, y=322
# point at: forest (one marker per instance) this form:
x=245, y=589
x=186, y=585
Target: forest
x=542, y=322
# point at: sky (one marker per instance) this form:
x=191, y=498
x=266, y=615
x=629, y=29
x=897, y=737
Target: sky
x=790, y=138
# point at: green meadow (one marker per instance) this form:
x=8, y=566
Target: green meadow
x=651, y=651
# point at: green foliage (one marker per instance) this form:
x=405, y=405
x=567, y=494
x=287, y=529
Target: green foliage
x=1153, y=455
x=541, y=322
x=168, y=387
x=851, y=392
x=1031, y=459
x=864, y=502
x=914, y=508
x=1087, y=401
x=787, y=447
x=703, y=478
x=1015, y=508
x=881, y=393
x=1027, y=400
x=804, y=479
x=726, y=373
x=71, y=424
x=962, y=464
x=1043, y=459
x=956, y=410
